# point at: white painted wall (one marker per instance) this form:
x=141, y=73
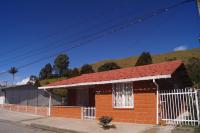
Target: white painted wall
x=2, y=99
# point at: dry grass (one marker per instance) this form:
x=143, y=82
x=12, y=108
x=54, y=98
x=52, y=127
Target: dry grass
x=130, y=61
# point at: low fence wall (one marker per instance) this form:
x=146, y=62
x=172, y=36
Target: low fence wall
x=26, y=109
x=66, y=111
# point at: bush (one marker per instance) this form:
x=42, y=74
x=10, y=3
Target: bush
x=104, y=121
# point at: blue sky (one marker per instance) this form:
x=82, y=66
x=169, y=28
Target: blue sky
x=34, y=29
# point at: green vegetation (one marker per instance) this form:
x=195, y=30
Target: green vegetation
x=72, y=73
x=46, y=72
x=108, y=66
x=61, y=64
x=144, y=59
x=193, y=67
x=104, y=121
x=130, y=61
x=47, y=81
x=13, y=71
x=86, y=69
x=186, y=56
x=34, y=81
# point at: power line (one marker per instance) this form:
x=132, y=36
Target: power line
x=82, y=21
x=28, y=54
x=56, y=44
x=116, y=28
x=111, y=30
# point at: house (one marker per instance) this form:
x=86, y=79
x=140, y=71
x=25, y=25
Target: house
x=29, y=95
x=127, y=94
x=29, y=99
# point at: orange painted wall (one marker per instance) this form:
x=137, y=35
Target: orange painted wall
x=144, y=110
x=66, y=111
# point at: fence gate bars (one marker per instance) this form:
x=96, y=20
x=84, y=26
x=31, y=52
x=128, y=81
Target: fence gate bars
x=88, y=113
x=179, y=106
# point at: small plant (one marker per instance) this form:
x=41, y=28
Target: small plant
x=105, y=121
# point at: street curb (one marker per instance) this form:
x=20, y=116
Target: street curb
x=54, y=129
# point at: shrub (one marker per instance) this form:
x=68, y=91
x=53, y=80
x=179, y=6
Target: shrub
x=104, y=121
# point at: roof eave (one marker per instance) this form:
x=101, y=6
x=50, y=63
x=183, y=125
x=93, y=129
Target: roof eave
x=108, y=82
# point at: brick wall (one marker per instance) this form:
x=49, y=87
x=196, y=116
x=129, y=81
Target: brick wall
x=26, y=109
x=66, y=111
x=144, y=110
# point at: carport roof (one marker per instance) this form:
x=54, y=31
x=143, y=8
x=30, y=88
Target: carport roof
x=146, y=72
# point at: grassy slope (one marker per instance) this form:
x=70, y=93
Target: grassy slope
x=47, y=81
x=130, y=61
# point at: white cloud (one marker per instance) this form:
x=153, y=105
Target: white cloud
x=180, y=48
x=23, y=81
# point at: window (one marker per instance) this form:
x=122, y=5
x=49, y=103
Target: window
x=122, y=95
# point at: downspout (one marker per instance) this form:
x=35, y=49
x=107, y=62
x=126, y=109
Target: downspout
x=49, y=93
x=157, y=103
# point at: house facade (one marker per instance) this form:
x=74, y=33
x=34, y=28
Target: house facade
x=29, y=95
x=127, y=95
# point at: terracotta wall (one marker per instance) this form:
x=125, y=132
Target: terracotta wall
x=144, y=110
x=66, y=111
x=26, y=109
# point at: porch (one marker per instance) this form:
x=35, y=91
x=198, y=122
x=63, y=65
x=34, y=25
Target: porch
x=77, y=102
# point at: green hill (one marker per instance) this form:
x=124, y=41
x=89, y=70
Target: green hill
x=130, y=61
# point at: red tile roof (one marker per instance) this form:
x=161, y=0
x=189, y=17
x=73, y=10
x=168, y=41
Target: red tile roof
x=165, y=68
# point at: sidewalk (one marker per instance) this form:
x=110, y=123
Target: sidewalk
x=86, y=126
x=76, y=125
x=17, y=116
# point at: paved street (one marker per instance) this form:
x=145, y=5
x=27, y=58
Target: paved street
x=13, y=127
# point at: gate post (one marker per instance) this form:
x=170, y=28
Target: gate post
x=82, y=111
x=197, y=105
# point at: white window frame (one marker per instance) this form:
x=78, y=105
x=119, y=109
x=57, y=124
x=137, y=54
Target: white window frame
x=124, y=89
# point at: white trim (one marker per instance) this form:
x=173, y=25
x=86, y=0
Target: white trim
x=157, y=101
x=107, y=82
x=49, y=104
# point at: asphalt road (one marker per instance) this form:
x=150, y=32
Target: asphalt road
x=13, y=127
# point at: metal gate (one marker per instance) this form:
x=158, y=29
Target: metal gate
x=88, y=113
x=179, y=107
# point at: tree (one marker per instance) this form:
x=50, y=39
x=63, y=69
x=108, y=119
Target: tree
x=170, y=59
x=144, y=59
x=61, y=63
x=67, y=73
x=46, y=71
x=108, y=66
x=34, y=81
x=42, y=74
x=71, y=73
x=75, y=72
x=13, y=71
x=193, y=67
x=86, y=69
